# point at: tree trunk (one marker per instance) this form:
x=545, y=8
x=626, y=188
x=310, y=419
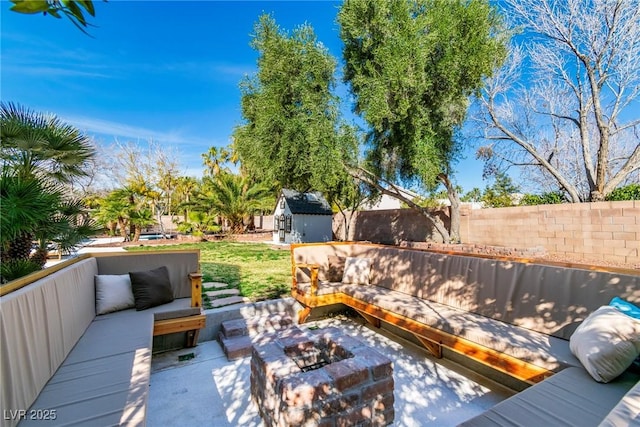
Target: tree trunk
x=454, y=198
x=345, y=231
x=122, y=224
x=20, y=247
x=112, y=226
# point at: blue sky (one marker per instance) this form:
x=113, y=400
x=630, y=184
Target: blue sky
x=166, y=71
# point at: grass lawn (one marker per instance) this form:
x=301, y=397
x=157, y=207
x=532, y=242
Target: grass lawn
x=257, y=270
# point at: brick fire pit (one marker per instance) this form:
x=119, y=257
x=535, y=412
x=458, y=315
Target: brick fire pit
x=323, y=378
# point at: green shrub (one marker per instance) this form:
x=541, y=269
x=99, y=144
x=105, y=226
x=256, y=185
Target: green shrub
x=14, y=269
x=629, y=192
x=552, y=198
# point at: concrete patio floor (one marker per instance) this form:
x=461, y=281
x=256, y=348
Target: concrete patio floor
x=208, y=390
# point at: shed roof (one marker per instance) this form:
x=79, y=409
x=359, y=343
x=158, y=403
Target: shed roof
x=311, y=203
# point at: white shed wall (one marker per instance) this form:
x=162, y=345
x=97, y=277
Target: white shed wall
x=304, y=228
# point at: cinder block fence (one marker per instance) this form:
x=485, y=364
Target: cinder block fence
x=605, y=231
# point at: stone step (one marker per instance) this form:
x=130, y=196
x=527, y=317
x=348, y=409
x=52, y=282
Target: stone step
x=236, y=335
x=216, y=285
x=256, y=325
x=236, y=347
x=221, y=302
x=221, y=292
x=271, y=323
x=234, y=328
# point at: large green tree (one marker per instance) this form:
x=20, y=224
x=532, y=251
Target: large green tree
x=291, y=133
x=412, y=66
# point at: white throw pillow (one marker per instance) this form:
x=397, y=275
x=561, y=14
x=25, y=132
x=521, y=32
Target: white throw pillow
x=606, y=343
x=113, y=293
x=356, y=271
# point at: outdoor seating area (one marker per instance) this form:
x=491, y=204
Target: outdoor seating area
x=427, y=391
x=543, y=324
x=441, y=339
x=77, y=338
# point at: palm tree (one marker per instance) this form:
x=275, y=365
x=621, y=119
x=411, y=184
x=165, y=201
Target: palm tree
x=113, y=208
x=235, y=198
x=215, y=159
x=35, y=208
x=39, y=152
x=25, y=204
x=140, y=219
x=38, y=144
x=184, y=190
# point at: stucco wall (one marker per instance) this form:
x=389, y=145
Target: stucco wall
x=390, y=226
x=608, y=231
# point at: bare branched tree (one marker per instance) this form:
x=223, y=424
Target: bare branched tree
x=566, y=106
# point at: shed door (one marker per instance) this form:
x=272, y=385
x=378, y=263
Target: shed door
x=281, y=227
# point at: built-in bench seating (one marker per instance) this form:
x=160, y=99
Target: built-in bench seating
x=515, y=316
x=63, y=365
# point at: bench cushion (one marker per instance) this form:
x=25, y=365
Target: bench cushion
x=534, y=347
x=546, y=298
x=105, y=378
x=626, y=412
x=39, y=326
x=568, y=398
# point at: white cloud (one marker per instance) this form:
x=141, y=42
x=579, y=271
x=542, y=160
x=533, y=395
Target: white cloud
x=135, y=133
x=53, y=71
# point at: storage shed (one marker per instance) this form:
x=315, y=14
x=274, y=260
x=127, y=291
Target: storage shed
x=302, y=218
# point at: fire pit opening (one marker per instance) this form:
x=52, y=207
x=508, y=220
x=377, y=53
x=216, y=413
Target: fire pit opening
x=311, y=355
x=304, y=378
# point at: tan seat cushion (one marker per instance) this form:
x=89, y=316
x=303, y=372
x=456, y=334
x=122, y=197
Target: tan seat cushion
x=569, y=398
x=540, y=349
x=626, y=412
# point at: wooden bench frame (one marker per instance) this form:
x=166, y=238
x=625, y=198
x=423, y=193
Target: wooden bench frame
x=189, y=324
x=432, y=339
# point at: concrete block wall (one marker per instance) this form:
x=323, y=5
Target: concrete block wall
x=601, y=231
x=607, y=231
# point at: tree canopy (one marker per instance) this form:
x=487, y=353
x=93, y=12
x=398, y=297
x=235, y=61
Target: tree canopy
x=412, y=66
x=72, y=9
x=572, y=120
x=291, y=132
x=40, y=155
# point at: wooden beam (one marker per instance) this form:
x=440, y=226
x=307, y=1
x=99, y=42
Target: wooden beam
x=180, y=324
x=196, y=289
x=192, y=337
x=374, y=321
x=432, y=347
x=303, y=314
